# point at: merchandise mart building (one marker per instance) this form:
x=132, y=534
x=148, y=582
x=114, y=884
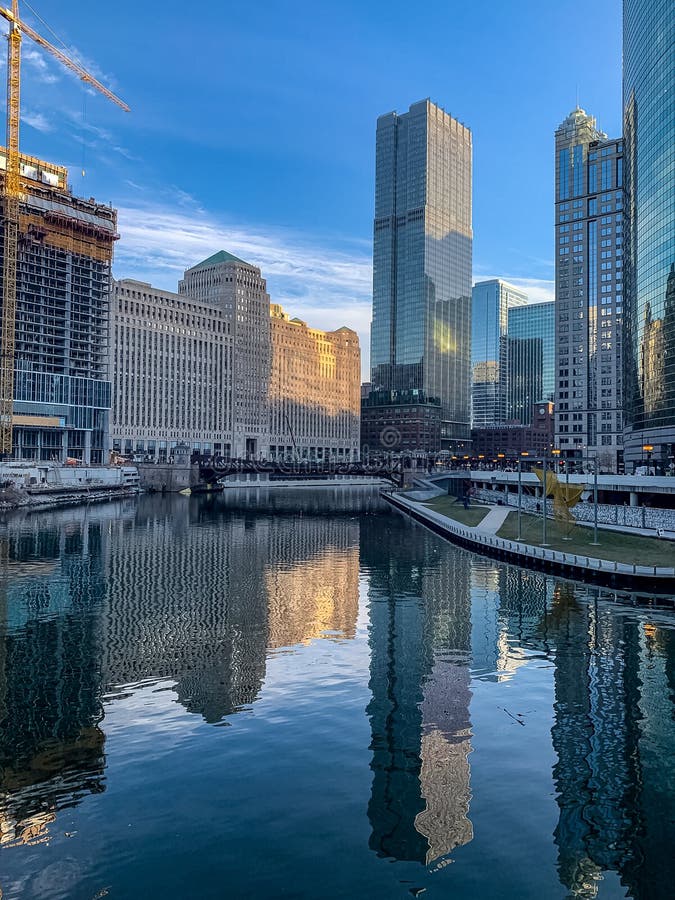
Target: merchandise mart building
x=422, y=246
x=217, y=367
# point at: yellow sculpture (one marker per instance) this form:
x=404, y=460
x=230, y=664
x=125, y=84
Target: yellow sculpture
x=565, y=496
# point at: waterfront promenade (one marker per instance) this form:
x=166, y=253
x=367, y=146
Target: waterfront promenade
x=623, y=560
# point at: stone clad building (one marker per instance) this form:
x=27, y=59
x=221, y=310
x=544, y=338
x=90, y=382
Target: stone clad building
x=217, y=367
x=238, y=289
x=314, y=396
x=588, y=292
x=171, y=363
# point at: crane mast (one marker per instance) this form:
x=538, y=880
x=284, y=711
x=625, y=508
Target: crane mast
x=12, y=197
x=11, y=234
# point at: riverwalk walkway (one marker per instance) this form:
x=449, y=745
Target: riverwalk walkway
x=484, y=538
x=493, y=521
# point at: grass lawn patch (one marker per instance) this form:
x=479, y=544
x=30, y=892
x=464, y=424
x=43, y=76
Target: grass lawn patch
x=625, y=548
x=454, y=509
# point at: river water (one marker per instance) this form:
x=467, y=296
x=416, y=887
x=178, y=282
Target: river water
x=304, y=694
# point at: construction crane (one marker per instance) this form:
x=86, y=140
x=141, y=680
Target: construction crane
x=12, y=197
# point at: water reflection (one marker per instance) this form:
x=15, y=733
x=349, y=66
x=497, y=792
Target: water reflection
x=219, y=602
x=419, y=679
x=614, y=735
x=51, y=745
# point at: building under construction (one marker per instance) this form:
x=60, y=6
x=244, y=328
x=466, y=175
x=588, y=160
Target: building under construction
x=61, y=386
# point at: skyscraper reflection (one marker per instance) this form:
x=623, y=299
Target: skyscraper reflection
x=419, y=712
x=51, y=745
x=616, y=795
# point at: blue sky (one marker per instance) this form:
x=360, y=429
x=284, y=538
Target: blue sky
x=252, y=127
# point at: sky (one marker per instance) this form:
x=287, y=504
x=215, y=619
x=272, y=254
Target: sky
x=252, y=127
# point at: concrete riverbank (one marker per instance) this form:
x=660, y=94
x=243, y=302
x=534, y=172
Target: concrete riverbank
x=43, y=485
x=483, y=539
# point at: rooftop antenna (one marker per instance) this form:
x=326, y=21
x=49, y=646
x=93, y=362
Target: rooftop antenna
x=577, y=96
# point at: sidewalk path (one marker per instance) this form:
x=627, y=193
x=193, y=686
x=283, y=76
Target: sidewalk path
x=493, y=521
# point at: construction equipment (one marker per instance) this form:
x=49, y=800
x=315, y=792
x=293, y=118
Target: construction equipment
x=12, y=197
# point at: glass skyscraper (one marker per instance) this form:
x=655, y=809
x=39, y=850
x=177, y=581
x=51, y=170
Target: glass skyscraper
x=421, y=328
x=649, y=131
x=490, y=304
x=531, y=358
x=588, y=291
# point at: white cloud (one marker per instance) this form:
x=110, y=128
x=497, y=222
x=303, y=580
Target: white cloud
x=537, y=289
x=36, y=120
x=37, y=60
x=325, y=286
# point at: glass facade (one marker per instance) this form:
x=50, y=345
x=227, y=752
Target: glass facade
x=531, y=348
x=649, y=186
x=490, y=305
x=421, y=328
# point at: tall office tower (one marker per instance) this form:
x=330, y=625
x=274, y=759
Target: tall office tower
x=588, y=292
x=649, y=131
x=171, y=373
x=240, y=291
x=531, y=364
x=490, y=305
x=421, y=328
x=61, y=387
x=315, y=390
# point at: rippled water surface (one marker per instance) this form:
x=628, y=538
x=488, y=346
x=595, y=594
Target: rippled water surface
x=302, y=694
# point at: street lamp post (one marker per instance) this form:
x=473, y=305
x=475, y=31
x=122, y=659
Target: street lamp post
x=520, y=495
x=595, y=501
x=544, y=505
x=647, y=448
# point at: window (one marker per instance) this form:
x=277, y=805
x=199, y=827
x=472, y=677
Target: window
x=564, y=174
x=578, y=169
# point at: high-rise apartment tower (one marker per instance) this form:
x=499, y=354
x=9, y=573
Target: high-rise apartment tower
x=61, y=387
x=649, y=131
x=588, y=292
x=421, y=328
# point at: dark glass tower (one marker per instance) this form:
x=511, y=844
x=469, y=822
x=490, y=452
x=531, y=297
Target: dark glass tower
x=421, y=329
x=649, y=131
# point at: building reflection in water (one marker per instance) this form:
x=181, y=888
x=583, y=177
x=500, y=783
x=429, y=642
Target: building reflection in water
x=125, y=594
x=419, y=711
x=52, y=581
x=198, y=592
x=614, y=777
x=210, y=587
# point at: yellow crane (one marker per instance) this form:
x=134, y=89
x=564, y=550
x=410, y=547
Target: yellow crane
x=12, y=197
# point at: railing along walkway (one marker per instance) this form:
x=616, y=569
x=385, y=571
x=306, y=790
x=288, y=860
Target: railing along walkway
x=559, y=557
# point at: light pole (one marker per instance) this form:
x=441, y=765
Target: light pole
x=544, y=504
x=556, y=453
x=595, y=541
x=647, y=448
x=520, y=488
x=520, y=494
